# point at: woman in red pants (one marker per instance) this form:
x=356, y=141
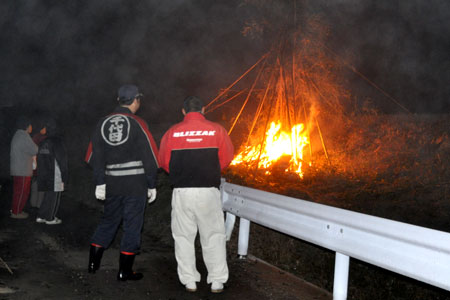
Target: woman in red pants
x=22, y=155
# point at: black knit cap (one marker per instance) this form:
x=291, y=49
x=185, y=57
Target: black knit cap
x=22, y=122
x=52, y=127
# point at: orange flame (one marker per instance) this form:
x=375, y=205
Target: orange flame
x=277, y=144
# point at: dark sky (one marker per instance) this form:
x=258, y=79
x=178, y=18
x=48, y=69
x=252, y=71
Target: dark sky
x=70, y=57
x=402, y=46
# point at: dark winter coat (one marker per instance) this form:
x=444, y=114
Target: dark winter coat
x=52, y=164
x=123, y=154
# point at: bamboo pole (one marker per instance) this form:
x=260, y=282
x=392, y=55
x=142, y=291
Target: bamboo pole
x=345, y=63
x=263, y=140
x=237, y=80
x=286, y=100
x=305, y=113
x=6, y=266
x=321, y=139
x=248, y=97
x=225, y=102
x=258, y=112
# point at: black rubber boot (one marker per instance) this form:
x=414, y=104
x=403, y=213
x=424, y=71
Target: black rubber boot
x=95, y=257
x=126, y=268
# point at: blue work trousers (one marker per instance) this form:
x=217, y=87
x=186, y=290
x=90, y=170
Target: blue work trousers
x=130, y=210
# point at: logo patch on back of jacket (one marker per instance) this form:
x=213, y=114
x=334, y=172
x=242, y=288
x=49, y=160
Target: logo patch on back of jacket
x=115, y=129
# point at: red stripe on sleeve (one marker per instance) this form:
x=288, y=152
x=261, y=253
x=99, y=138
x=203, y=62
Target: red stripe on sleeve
x=150, y=140
x=88, y=156
x=164, y=152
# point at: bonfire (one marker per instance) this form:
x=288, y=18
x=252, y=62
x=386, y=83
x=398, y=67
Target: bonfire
x=279, y=112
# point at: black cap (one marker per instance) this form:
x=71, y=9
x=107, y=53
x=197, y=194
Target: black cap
x=128, y=92
x=22, y=122
x=52, y=127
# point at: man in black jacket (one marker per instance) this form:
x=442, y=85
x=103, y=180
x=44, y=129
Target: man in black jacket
x=123, y=156
x=52, y=174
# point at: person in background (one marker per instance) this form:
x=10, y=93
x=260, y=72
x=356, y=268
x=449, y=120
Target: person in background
x=52, y=174
x=124, y=158
x=194, y=152
x=37, y=197
x=22, y=155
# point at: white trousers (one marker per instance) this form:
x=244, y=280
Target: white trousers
x=199, y=209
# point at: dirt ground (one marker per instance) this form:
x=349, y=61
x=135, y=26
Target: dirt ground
x=50, y=262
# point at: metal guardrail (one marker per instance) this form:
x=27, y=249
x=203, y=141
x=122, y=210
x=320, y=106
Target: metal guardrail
x=413, y=251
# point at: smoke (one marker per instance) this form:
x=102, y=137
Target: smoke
x=75, y=56
x=401, y=46
x=70, y=58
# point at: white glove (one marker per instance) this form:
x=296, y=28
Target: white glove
x=100, y=192
x=34, y=163
x=151, y=194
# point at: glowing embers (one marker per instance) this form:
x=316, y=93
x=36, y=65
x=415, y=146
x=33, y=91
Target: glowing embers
x=278, y=145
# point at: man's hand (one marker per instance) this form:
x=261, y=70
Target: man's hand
x=151, y=194
x=100, y=192
x=34, y=162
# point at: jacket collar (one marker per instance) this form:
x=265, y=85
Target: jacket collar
x=122, y=109
x=194, y=116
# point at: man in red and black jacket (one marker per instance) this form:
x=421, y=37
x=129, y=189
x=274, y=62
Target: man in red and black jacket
x=194, y=152
x=124, y=158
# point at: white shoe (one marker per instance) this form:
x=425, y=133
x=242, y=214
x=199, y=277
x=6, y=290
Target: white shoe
x=216, y=287
x=55, y=221
x=39, y=220
x=22, y=215
x=191, y=287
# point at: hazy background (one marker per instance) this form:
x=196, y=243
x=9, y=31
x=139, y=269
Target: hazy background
x=69, y=58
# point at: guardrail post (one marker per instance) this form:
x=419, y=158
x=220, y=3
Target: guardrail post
x=341, y=269
x=229, y=225
x=244, y=234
